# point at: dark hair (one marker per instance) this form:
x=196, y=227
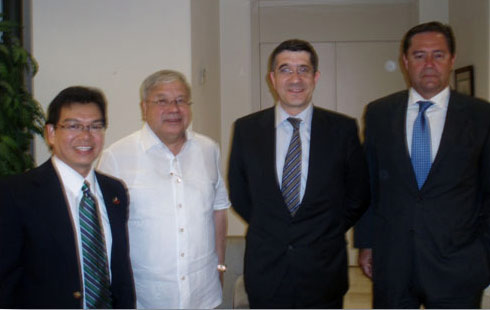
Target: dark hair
x=430, y=27
x=78, y=95
x=294, y=45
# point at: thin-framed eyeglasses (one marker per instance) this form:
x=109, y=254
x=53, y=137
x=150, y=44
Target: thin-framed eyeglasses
x=163, y=102
x=301, y=70
x=95, y=128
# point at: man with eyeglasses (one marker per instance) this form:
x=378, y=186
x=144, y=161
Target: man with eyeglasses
x=63, y=226
x=298, y=178
x=177, y=221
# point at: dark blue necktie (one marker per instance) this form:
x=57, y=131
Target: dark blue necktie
x=421, y=144
x=291, y=173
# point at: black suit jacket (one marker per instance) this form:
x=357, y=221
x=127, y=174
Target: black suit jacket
x=39, y=263
x=440, y=233
x=311, y=245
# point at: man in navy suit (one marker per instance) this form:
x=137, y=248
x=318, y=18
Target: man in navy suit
x=297, y=176
x=426, y=237
x=41, y=260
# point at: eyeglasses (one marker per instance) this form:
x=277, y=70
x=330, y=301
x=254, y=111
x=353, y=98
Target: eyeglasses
x=79, y=128
x=180, y=102
x=301, y=70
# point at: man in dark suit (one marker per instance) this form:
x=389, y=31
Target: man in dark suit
x=297, y=176
x=63, y=226
x=426, y=237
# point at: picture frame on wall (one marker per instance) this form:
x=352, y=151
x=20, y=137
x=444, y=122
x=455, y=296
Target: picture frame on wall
x=463, y=80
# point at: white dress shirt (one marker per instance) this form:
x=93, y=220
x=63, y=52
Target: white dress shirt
x=436, y=114
x=284, y=132
x=171, y=220
x=72, y=183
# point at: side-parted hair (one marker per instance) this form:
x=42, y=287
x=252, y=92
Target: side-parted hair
x=76, y=95
x=430, y=27
x=162, y=77
x=294, y=45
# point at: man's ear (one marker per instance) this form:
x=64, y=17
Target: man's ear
x=143, y=110
x=50, y=134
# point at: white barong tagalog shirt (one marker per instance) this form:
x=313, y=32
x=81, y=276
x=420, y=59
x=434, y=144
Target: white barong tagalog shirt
x=171, y=220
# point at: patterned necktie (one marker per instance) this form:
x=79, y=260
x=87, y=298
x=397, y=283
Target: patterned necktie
x=291, y=173
x=421, y=144
x=95, y=265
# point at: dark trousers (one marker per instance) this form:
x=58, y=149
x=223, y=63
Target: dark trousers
x=285, y=297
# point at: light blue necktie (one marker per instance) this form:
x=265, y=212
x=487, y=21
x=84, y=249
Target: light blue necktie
x=95, y=264
x=421, y=144
x=291, y=173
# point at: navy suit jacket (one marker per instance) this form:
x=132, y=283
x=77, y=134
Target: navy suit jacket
x=310, y=246
x=440, y=233
x=39, y=262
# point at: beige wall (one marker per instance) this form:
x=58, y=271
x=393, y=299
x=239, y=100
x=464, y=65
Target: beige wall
x=430, y=10
x=205, y=52
x=111, y=44
x=340, y=23
x=472, y=30
x=236, y=79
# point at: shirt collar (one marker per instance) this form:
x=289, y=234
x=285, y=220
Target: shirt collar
x=150, y=140
x=282, y=115
x=440, y=100
x=71, y=179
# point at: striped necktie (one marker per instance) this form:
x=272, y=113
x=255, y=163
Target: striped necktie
x=291, y=173
x=95, y=264
x=421, y=144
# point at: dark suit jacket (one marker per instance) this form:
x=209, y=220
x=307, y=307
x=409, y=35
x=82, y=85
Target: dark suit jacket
x=311, y=245
x=440, y=233
x=39, y=263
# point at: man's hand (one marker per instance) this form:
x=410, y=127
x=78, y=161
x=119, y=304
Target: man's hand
x=365, y=260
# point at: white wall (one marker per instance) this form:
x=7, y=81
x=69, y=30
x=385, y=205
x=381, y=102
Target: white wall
x=236, y=66
x=206, y=81
x=110, y=44
x=378, y=21
x=430, y=10
x=472, y=31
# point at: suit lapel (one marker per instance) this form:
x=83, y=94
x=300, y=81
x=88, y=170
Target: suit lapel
x=54, y=210
x=456, y=121
x=399, y=140
x=111, y=200
x=267, y=143
x=319, y=126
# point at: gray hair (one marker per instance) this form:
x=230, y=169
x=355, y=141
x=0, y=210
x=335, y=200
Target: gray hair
x=162, y=77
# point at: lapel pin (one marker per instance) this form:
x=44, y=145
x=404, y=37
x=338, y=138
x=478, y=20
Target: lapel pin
x=116, y=201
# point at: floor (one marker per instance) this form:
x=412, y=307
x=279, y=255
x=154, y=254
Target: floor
x=360, y=289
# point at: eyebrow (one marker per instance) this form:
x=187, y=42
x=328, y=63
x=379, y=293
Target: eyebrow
x=72, y=120
x=431, y=51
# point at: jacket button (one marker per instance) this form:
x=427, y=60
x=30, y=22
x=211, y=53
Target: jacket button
x=290, y=247
x=77, y=295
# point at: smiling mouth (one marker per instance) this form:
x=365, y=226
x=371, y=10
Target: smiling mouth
x=172, y=120
x=295, y=90
x=84, y=148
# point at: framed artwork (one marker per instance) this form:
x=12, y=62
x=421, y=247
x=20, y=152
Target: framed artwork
x=463, y=80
